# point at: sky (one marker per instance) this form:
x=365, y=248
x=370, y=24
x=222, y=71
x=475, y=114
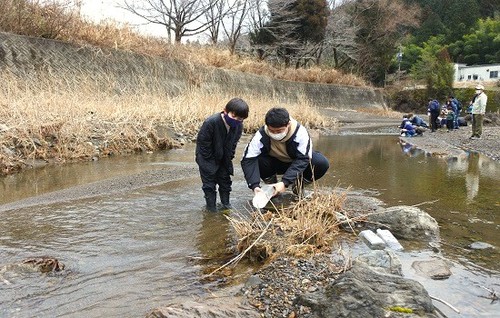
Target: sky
x=102, y=10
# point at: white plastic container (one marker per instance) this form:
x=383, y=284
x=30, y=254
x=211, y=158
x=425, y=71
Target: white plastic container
x=389, y=240
x=372, y=240
x=261, y=198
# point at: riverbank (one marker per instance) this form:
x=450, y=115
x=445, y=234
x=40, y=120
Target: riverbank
x=441, y=143
x=457, y=142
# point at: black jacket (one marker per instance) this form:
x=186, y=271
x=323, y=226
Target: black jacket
x=261, y=145
x=215, y=145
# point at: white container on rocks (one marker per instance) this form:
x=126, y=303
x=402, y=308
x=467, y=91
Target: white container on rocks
x=372, y=240
x=389, y=240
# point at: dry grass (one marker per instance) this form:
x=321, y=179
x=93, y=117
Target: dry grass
x=53, y=120
x=62, y=22
x=389, y=113
x=305, y=228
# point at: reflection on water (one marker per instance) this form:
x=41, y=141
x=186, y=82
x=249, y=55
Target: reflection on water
x=38, y=181
x=460, y=193
x=410, y=150
x=124, y=254
x=130, y=252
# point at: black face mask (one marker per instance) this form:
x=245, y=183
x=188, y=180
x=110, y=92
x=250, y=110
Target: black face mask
x=234, y=123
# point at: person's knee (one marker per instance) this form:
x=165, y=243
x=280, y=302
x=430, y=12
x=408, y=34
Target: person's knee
x=320, y=165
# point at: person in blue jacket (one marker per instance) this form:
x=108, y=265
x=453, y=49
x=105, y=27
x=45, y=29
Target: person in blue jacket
x=456, y=106
x=282, y=147
x=407, y=129
x=417, y=121
x=434, y=109
x=215, y=149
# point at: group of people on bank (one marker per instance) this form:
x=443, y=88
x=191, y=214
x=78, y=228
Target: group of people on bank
x=448, y=115
x=282, y=146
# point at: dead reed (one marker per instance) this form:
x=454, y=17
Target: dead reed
x=307, y=227
x=58, y=119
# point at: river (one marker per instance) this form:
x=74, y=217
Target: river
x=131, y=251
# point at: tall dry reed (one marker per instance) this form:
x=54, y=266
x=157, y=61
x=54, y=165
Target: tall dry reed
x=59, y=119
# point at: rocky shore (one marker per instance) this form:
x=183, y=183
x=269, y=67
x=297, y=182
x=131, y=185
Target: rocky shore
x=457, y=142
x=333, y=284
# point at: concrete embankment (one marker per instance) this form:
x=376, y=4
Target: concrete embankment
x=124, y=71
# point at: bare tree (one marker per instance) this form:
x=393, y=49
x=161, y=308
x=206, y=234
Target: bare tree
x=282, y=28
x=214, y=16
x=258, y=16
x=381, y=25
x=181, y=17
x=233, y=25
x=340, y=40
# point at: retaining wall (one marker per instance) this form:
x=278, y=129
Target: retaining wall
x=27, y=57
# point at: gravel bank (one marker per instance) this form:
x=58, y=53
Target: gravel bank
x=455, y=142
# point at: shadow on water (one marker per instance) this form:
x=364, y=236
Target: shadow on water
x=132, y=251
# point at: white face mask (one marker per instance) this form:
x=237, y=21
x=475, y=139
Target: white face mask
x=478, y=91
x=279, y=136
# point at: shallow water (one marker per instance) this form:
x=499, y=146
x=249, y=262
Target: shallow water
x=130, y=252
x=462, y=194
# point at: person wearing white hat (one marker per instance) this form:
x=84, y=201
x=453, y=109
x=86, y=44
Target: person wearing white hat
x=478, y=109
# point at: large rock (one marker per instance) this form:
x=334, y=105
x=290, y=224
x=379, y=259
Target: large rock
x=407, y=222
x=384, y=262
x=368, y=290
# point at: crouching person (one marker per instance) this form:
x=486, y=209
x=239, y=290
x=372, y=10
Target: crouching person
x=407, y=129
x=282, y=147
x=215, y=149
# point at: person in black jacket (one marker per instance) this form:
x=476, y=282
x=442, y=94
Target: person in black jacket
x=282, y=146
x=215, y=148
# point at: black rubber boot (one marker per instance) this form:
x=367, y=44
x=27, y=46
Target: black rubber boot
x=224, y=199
x=211, y=200
x=271, y=180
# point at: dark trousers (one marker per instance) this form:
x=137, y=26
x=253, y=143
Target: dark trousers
x=450, y=124
x=270, y=166
x=433, y=120
x=210, y=180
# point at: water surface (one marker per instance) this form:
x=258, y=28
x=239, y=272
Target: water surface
x=130, y=252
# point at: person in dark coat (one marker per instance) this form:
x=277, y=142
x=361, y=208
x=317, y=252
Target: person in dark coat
x=434, y=109
x=215, y=149
x=282, y=146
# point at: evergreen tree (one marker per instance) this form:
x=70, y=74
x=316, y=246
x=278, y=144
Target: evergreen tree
x=435, y=67
x=481, y=46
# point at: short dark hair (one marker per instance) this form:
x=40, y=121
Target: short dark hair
x=238, y=106
x=277, y=117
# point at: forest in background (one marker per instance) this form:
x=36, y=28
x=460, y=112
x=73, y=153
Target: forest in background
x=379, y=41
